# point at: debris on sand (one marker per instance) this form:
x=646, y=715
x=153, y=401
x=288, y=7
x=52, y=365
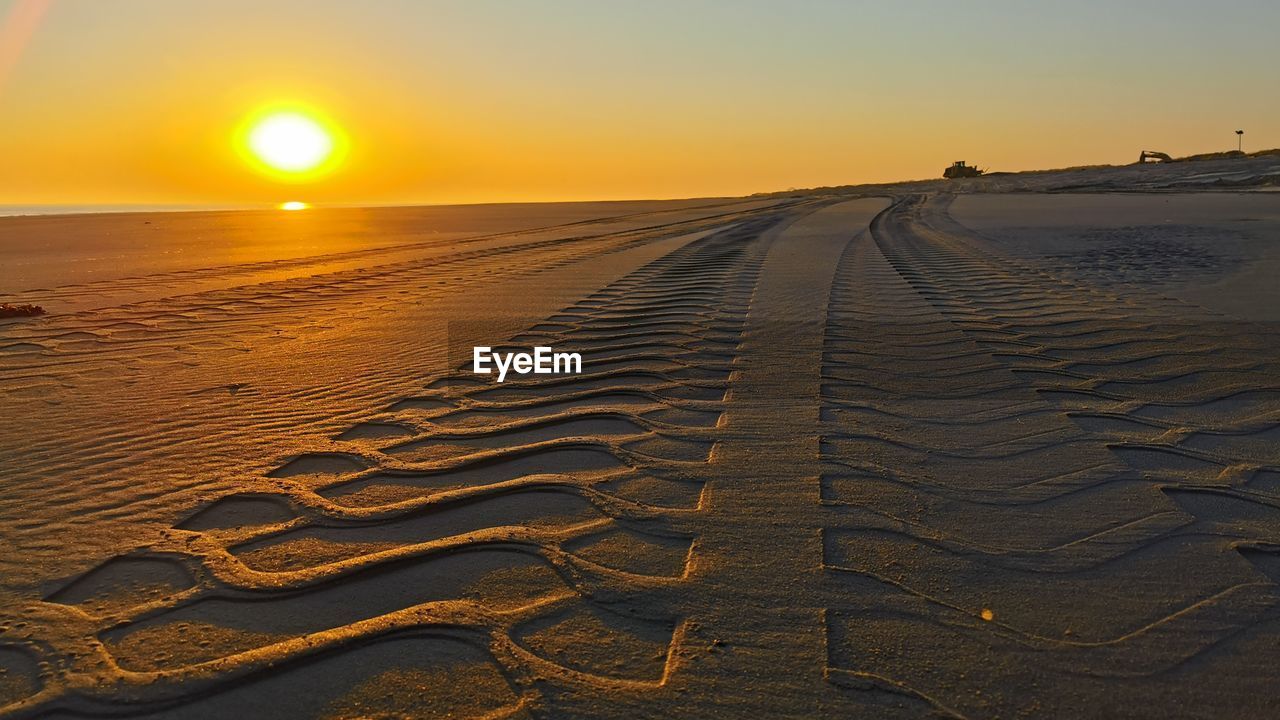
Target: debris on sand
x=8, y=310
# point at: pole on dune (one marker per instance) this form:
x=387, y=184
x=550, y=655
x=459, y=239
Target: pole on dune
x=1239, y=141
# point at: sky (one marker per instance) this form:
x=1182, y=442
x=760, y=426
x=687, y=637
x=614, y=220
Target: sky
x=139, y=101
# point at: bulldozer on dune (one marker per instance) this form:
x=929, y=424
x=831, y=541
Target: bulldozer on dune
x=959, y=170
x=1153, y=156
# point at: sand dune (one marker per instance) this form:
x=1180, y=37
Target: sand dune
x=888, y=456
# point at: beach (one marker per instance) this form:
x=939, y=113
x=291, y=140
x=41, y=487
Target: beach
x=998, y=447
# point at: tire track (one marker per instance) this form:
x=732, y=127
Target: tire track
x=533, y=535
x=207, y=409
x=1009, y=547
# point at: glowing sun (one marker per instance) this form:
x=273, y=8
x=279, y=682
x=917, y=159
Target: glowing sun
x=291, y=144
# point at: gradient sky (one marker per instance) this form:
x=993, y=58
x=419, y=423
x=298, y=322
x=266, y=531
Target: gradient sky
x=136, y=101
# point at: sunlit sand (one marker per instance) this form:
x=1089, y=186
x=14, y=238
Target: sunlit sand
x=1040, y=421
x=713, y=360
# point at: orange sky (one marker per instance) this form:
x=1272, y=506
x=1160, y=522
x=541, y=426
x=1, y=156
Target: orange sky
x=137, y=101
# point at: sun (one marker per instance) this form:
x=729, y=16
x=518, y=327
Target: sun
x=291, y=144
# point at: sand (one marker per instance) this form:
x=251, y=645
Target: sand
x=844, y=454
x=1213, y=250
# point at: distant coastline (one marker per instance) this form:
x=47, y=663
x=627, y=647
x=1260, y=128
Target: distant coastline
x=17, y=210
x=1223, y=170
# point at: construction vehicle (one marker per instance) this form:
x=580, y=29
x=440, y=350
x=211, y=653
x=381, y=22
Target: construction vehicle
x=959, y=170
x=1153, y=156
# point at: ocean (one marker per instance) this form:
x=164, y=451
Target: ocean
x=10, y=210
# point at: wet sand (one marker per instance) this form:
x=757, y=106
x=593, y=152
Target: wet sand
x=908, y=454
